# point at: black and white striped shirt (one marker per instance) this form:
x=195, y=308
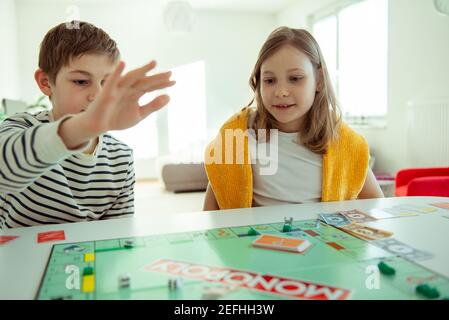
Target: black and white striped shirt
x=42, y=182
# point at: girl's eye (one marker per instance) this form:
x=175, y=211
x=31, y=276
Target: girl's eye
x=295, y=79
x=268, y=81
x=80, y=82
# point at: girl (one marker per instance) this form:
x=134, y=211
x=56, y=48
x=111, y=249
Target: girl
x=319, y=158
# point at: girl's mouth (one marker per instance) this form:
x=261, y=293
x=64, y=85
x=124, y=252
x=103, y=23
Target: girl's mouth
x=283, y=106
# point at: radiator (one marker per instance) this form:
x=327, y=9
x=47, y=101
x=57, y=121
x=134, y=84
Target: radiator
x=428, y=133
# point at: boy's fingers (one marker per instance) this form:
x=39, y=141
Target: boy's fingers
x=152, y=81
x=157, y=86
x=134, y=75
x=156, y=104
x=137, y=94
x=114, y=78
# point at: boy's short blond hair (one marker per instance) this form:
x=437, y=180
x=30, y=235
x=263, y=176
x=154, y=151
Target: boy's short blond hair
x=67, y=41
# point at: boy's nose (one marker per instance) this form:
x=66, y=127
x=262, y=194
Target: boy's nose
x=93, y=94
x=91, y=97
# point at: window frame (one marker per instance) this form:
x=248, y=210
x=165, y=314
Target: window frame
x=333, y=9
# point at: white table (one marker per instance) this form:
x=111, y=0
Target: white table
x=23, y=260
x=387, y=187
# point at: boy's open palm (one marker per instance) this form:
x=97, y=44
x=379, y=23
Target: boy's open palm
x=117, y=107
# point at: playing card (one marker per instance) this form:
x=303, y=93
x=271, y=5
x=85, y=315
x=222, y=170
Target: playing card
x=357, y=216
x=282, y=243
x=335, y=219
x=50, y=236
x=442, y=205
x=401, y=249
x=380, y=214
x=5, y=239
x=416, y=208
x=400, y=212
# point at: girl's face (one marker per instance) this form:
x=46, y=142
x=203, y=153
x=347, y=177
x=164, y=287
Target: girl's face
x=288, y=87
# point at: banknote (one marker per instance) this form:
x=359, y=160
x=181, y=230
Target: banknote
x=401, y=249
x=365, y=232
x=335, y=219
x=357, y=216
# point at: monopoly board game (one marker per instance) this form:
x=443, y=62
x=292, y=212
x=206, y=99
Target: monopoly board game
x=223, y=264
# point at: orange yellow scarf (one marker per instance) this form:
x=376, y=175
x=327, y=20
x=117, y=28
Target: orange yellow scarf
x=345, y=166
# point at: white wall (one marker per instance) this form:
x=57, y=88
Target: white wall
x=227, y=41
x=9, y=78
x=418, y=68
x=295, y=16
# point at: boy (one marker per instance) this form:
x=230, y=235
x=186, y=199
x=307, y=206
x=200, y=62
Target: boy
x=61, y=166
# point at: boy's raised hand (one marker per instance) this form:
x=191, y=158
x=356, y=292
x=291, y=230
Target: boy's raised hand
x=117, y=106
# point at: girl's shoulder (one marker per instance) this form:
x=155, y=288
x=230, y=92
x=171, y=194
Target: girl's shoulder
x=348, y=133
x=348, y=140
x=240, y=120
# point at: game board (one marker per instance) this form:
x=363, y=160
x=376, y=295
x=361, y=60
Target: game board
x=196, y=265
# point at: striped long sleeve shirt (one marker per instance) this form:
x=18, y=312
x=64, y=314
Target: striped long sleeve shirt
x=42, y=182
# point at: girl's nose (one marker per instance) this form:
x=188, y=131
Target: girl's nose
x=282, y=92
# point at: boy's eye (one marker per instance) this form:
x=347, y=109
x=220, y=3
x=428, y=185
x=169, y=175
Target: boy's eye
x=80, y=82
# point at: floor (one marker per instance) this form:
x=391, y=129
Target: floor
x=151, y=197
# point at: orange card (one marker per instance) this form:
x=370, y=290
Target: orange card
x=282, y=243
x=442, y=205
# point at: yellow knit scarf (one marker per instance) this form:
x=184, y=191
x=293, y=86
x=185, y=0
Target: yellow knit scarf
x=345, y=166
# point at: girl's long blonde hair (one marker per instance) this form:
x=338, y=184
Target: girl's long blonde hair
x=322, y=121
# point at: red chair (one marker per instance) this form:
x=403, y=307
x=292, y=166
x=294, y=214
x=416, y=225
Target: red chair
x=422, y=182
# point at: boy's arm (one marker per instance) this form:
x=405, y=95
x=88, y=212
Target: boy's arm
x=27, y=151
x=117, y=106
x=124, y=204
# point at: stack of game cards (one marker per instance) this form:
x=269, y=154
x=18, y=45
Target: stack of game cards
x=270, y=241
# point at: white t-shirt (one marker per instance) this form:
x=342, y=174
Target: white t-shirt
x=298, y=177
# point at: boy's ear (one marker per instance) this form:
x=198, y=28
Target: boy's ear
x=43, y=81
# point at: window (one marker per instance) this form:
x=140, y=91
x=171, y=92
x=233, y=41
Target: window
x=353, y=38
x=142, y=138
x=187, y=113
x=178, y=130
